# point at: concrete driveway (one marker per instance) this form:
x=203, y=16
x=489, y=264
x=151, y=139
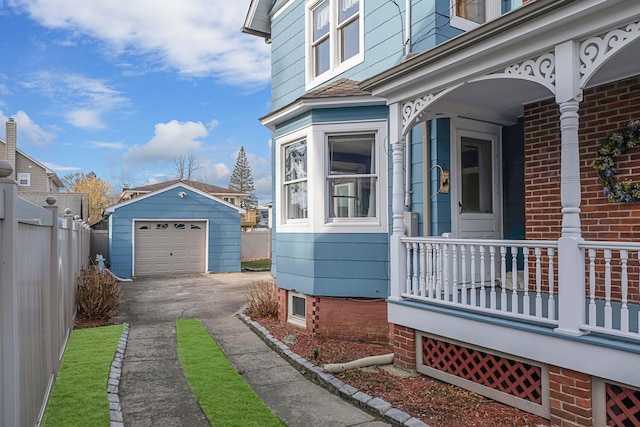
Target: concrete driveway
x=153, y=390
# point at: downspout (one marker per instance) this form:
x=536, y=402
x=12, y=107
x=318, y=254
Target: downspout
x=407, y=27
x=408, y=139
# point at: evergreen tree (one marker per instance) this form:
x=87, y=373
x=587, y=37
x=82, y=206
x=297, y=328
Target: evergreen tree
x=242, y=181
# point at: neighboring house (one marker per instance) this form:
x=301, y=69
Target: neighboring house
x=32, y=176
x=36, y=181
x=175, y=229
x=508, y=264
x=226, y=194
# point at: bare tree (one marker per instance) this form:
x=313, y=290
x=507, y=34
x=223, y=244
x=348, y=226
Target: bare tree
x=187, y=165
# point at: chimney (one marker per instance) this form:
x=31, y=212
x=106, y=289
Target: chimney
x=11, y=145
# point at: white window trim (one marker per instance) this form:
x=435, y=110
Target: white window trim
x=317, y=194
x=291, y=318
x=493, y=11
x=335, y=67
x=26, y=176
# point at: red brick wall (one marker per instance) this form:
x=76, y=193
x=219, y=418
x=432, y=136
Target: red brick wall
x=403, y=340
x=604, y=109
x=358, y=319
x=570, y=398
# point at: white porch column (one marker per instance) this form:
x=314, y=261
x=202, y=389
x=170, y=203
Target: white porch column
x=571, y=286
x=397, y=255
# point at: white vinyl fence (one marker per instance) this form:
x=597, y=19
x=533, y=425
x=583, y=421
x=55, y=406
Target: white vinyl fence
x=41, y=256
x=255, y=245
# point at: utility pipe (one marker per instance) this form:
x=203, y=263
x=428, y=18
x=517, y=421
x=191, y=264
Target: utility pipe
x=384, y=359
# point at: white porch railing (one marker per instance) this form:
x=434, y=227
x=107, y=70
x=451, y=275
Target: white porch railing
x=519, y=279
x=613, y=278
x=507, y=277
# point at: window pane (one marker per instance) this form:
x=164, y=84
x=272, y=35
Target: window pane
x=477, y=191
x=350, y=40
x=348, y=8
x=296, y=202
x=351, y=154
x=298, y=306
x=352, y=197
x=295, y=161
x=473, y=10
x=321, y=57
x=321, y=20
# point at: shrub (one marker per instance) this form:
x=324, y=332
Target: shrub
x=262, y=299
x=99, y=293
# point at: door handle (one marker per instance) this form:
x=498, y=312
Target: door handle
x=459, y=207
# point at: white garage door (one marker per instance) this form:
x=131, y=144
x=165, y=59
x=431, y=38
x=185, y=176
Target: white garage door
x=169, y=247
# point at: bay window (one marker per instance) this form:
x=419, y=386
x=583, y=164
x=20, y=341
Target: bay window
x=295, y=180
x=351, y=177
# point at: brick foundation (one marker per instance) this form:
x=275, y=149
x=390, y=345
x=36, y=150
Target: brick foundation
x=403, y=340
x=570, y=398
x=359, y=319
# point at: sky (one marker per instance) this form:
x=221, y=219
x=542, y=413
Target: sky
x=123, y=88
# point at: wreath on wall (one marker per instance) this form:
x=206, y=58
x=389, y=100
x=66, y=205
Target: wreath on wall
x=616, y=144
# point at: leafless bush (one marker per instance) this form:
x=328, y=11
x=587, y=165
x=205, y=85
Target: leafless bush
x=262, y=299
x=99, y=293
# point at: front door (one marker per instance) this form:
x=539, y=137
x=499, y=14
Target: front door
x=477, y=187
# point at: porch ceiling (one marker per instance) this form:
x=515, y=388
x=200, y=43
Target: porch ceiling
x=498, y=100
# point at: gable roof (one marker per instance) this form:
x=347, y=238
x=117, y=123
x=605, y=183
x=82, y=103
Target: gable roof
x=110, y=209
x=258, y=22
x=206, y=188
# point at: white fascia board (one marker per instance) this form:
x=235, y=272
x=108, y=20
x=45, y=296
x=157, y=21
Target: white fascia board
x=113, y=208
x=303, y=105
x=514, y=38
x=257, y=21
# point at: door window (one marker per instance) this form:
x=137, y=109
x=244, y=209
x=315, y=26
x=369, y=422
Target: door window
x=477, y=184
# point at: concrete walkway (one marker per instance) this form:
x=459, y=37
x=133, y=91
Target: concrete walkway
x=153, y=390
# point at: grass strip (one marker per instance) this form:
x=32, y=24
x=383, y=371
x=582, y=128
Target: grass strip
x=225, y=398
x=260, y=263
x=79, y=395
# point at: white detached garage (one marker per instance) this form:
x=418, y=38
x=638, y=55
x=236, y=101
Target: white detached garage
x=178, y=229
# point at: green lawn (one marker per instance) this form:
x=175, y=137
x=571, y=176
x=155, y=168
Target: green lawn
x=260, y=263
x=79, y=396
x=222, y=393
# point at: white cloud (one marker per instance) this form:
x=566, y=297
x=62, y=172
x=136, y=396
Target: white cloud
x=170, y=140
x=29, y=132
x=84, y=101
x=111, y=145
x=58, y=168
x=196, y=37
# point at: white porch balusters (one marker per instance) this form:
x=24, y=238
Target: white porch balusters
x=571, y=292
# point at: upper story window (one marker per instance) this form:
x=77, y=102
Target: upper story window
x=469, y=14
x=24, y=179
x=334, y=37
x=231, y=200
x=295, y=180
x=352, y=179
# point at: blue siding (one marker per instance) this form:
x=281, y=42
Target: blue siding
x=440, y=154
x=354, y=265
x=417, y=176
x=223, y=237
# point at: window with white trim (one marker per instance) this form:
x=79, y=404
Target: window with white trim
x=469, y=14
x=334, y=34
x=295, y=180
x=297, y=312
x=352, y=180
x=24, y=179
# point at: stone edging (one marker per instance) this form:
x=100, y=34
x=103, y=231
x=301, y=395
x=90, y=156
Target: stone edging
x=113, y=386
x=374, y=405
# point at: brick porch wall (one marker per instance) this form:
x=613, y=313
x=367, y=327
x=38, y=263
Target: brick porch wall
x=605, y=109
x=403, y=340
x=570, y=398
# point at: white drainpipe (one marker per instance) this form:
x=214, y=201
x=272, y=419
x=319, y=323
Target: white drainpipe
x=407, y=28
